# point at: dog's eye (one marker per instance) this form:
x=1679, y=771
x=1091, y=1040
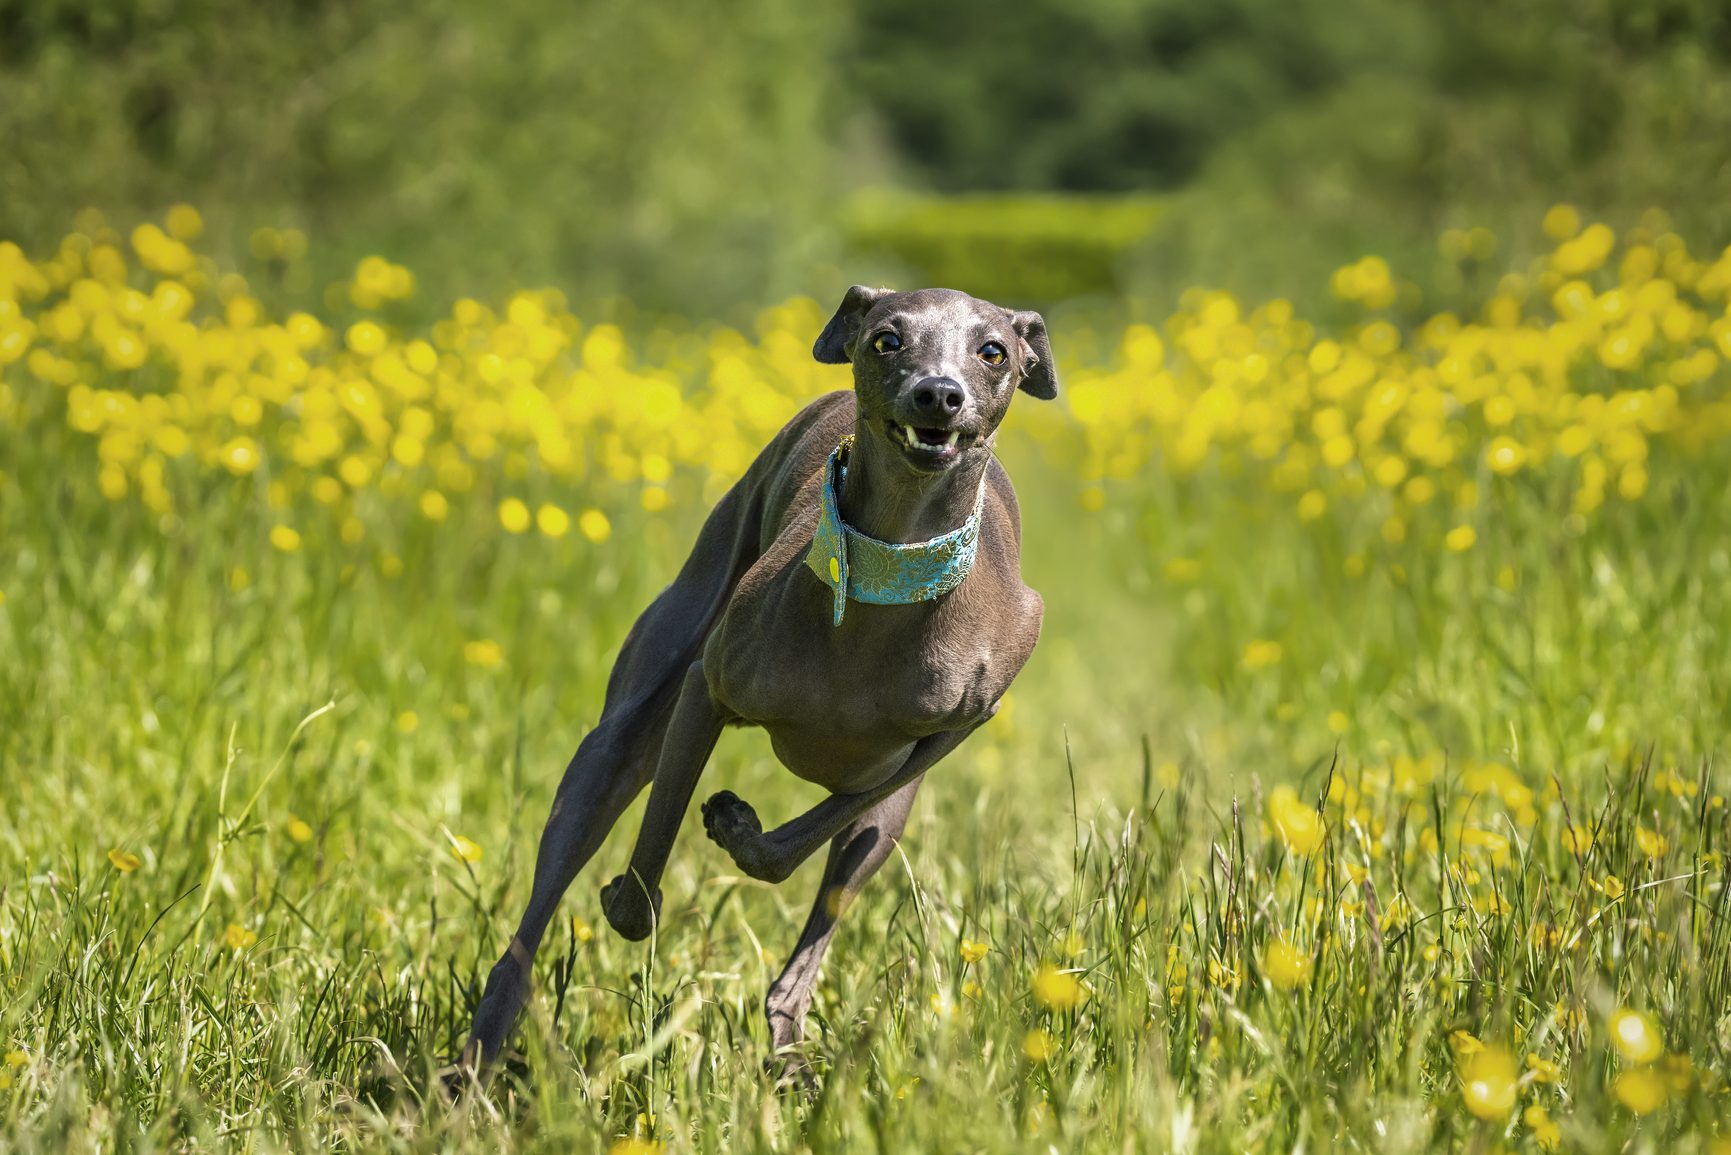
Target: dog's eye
x=886, y=343
x=992, y=353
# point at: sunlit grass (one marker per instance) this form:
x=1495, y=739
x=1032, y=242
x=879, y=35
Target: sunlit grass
x=1302, y=829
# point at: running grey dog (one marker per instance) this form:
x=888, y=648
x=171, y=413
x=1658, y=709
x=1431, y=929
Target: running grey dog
x=858, y=594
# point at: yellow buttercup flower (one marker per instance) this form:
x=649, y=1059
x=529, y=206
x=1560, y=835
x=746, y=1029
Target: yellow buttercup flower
x=1642, y=1090
x=1489, y=1083
x=184, y=222
x=552, y=521
x=1546, y=1133
x=487, y=654
x=366, y=338
x=464, y=849
x=513, y=515
x=1285, y=965
x=1562, y=222
x=237, y=937
x=1057, y=989
x=240, y=456
x=973, y=952
x=1636, y=1036
x=595, y=525
x=1299, y=826
x=124, y=861
x=1506, y=455
x=1543, y=1069
x=298, y=830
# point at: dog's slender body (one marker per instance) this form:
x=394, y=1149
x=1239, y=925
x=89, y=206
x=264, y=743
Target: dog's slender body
x=745, y=635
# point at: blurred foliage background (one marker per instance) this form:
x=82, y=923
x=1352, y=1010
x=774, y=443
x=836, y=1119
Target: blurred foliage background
x=1446, y=549
x=702, y=160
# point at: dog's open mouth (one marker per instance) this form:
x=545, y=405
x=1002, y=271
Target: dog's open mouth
x=930, y=446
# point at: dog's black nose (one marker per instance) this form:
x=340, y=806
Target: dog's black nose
x=938, y=397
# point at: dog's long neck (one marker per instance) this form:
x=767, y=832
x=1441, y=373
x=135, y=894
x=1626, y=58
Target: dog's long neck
x=883, y=498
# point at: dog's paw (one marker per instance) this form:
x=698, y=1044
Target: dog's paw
x=501, y=1001
x=629, y=911
x=733, y=825
x=792, y=1073
x=729, y=820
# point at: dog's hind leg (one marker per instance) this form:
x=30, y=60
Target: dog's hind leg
x=854, y=856
x=612, y=765
x=618, y=758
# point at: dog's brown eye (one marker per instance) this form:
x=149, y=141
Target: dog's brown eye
x=992, y=353
x=886, y=343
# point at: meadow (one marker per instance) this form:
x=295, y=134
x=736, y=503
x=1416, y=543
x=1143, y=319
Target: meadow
x=1365, y=791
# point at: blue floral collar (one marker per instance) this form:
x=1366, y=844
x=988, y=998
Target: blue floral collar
x=880, y=572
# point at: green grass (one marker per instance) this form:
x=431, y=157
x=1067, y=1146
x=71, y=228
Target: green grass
x=1114, y=822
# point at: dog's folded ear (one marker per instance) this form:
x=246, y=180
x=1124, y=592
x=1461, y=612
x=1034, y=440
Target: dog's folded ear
x=843, y=329
x=1039, y=374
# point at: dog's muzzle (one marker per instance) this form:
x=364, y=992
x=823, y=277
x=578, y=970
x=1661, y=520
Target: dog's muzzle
x=927, y=424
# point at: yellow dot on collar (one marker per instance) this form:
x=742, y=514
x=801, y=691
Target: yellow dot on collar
x=834, y=569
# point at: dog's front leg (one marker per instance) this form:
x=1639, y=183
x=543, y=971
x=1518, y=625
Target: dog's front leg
x=772, y=855
x=854, y=856
x=632, y=901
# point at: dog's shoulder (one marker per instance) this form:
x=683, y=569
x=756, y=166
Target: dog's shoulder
x=795, y=456
x=819, y=426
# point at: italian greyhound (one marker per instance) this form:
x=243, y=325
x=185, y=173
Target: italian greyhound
x=858, y=594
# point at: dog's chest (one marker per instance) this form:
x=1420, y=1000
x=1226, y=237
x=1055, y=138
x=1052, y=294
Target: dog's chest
x=904, y=682
x=839, y=703
x=848, y=726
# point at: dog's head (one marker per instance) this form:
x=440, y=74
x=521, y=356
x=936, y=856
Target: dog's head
x=934, y=370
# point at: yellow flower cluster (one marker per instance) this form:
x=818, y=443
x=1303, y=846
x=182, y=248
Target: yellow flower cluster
x=177, y=370
x=1580, y=365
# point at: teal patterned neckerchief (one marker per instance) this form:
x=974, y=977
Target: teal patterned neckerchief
x=880, y=572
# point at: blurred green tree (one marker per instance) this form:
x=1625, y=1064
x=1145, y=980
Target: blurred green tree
x=1106, y=95
x=662, y=151
x=690, y=157
x=1616, y=105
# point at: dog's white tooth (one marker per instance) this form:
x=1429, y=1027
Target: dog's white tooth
x=913, y=438
x=952, y=441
